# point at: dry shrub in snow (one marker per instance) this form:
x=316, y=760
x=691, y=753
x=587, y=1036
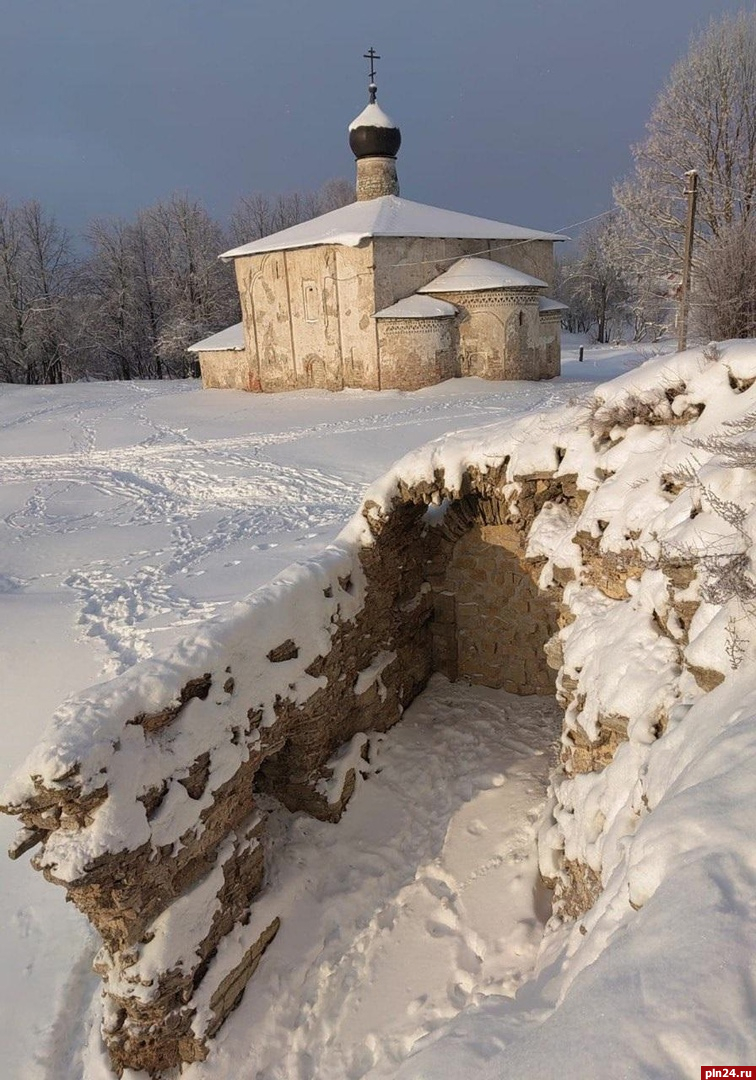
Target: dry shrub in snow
x=657, y=406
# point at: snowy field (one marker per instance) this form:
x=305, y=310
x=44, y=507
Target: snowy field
x=130, y=512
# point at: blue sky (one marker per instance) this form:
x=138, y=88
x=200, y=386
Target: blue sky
x=519, y=111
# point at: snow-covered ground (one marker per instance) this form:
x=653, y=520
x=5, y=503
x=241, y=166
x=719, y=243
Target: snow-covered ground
x=129, y=512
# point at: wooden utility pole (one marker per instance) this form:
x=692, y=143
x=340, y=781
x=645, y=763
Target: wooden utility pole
x=691, y=191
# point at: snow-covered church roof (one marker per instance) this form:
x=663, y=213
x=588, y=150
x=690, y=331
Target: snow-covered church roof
x=471, y=274
x=231, y=338
x=546, y=305
x=387, y=216
x=417, y=307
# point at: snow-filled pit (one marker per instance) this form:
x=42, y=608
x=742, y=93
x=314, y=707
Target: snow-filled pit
x=422, y=901
x=179, y=501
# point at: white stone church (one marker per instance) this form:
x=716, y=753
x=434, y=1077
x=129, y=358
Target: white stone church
x=387, y=294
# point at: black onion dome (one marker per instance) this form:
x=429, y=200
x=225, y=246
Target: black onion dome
x=373, y=134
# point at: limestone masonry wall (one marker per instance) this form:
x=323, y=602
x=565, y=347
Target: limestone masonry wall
x=416, y=352
x=496, y=621
x=500, y=334
x=551, y=344
x=376, y=176
x=404, y=263
x=306, y=317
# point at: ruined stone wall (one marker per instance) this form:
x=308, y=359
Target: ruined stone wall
x=452, y=591
x=162, y=1007
x=438, y=573
x=205, y=877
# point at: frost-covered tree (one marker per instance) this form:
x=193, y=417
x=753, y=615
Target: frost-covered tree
x=606, y=289
x=159, y=286
x=724, y=287
x=577, y=319
x=704, y=119
x=120, y=342
x=36, y=282
x=597, y=282
x=196, y=290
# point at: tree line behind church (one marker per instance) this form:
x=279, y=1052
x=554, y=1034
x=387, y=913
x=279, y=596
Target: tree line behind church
x=126, y=300
x=625, y=275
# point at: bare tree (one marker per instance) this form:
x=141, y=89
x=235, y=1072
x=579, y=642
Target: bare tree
x=704, y=119
x=578, y=319
x=724, y=295
x=121, y=341
x=198, y=292
x=252, y=218
x=159, y=286
x=334, y=194
x=36, y=273
x=259, y=215
x=597, y=280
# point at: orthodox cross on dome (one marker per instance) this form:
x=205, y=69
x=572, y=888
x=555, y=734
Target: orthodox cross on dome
x=372, y=56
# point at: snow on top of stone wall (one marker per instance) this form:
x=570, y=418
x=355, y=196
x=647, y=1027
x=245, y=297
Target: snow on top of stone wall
x=668, y=825
x=102, y=737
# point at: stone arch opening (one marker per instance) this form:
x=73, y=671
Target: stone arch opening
x=490, y=622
